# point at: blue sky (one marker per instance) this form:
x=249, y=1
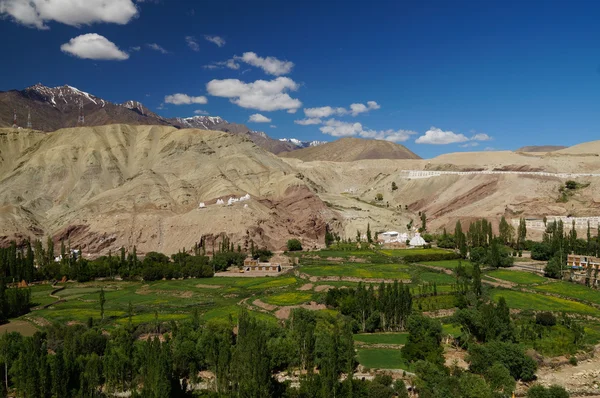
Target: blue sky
x=435, y=76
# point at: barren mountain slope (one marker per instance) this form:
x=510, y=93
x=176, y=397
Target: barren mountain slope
x=105, y=187
x=541, y=148
x=351, y=188
x=350, y=149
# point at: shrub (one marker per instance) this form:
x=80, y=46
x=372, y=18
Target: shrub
x=573, y=360
x=545, y=319
x=571, y=184
x=294, y=245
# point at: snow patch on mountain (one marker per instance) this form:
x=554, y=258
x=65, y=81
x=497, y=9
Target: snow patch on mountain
x=302, y=144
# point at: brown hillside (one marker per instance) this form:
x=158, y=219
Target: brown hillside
x=351, y=149
x=541, y=148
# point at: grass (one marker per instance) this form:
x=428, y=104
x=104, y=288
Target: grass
x=538, y=302
x=437, y=277
x=572, y=290
x=382, y=358
x=451, y=330
x=450, y=264
x=288, y=298
x=172, y=300
x=519, y=277
x=382, y=338
x=355, y=270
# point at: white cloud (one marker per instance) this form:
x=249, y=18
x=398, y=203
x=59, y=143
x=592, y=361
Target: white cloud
x=438, y=137
x=158, y=48
x=338, y=128
x=481, y=137
x=230, y=63
x=219, y=41
x=35, y=13
x=261, y=95
x=292, y=111
x=258, y=118
x=184, y=99
x=192, y=43
x=270, y=65
x=356, y=109
x=273, y=126
x=94, y=46
x=135, y=48
x=200, y=112
x=308, y=121
x=324, y=111
x=469, y=144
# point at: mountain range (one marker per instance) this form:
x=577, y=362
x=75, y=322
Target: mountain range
x=53, y=108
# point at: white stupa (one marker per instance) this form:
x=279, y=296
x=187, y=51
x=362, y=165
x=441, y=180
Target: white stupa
x=417, y=240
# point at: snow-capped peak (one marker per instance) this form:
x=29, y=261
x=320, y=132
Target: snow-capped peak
x=302, y=144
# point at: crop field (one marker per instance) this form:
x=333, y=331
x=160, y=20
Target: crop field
x=382, y=358
x=214, y=298
x=345, y=254
x=539, y=302
x=519, y=277
x=355, y=270
x=450, y=264
x=382, y=338
x=571, y=290
x=437, y=277
x=288, y=298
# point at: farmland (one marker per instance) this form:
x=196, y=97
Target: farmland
x=382, y=358
x=537, y=302
x=519, y=277
x=353, y=270
x=571, y=290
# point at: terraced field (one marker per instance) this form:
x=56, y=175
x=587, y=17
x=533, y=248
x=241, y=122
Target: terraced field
x=356, y=270
x=519, y=277
x=538, y=302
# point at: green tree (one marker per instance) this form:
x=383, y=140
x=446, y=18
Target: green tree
x=102, y=301
x=369, y=237
x=394, y=186
x=424, y=340
x=294, y=245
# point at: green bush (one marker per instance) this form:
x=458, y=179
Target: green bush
x=573, y=360
x=545, y=319
x=294, y=245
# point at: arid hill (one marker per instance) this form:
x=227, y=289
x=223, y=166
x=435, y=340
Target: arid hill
x=541, y=148
x=106, y=187
x=351, y=149
x=112, y=186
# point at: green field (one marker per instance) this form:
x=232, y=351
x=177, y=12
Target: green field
x=437, y=277
x=214, y=298
x=381, y=358
x=539, y=302
x=354, y=270
x=288, y=298
x=573, y=290
x=382, y=338
x=519, y=277
x=450, y=264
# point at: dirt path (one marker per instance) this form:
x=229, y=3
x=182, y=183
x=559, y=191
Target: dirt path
x=264, y=306
x=580, y=380
x=305, y=287
x=284, y=312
